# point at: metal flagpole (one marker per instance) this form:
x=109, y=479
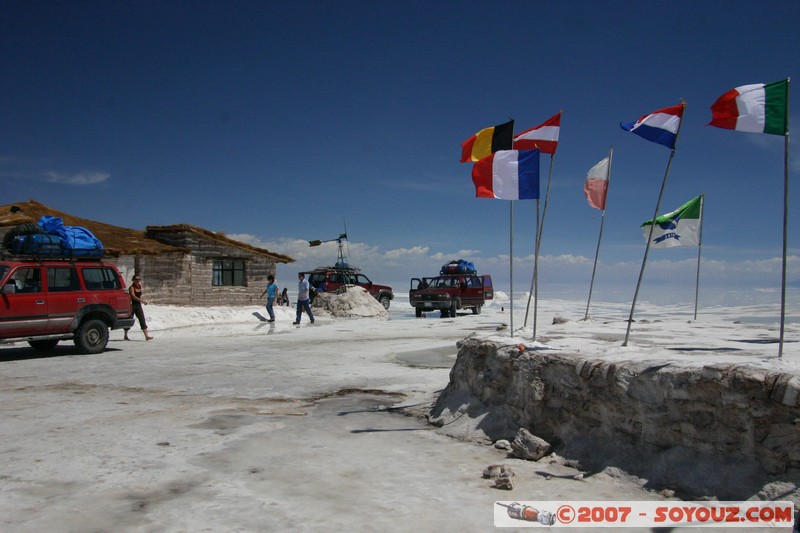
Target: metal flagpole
x=652, y=228
x=699, y=248
x=534, y=281
x=511, y=266
x=785, y=220
x=535, y=277
x=600, y=237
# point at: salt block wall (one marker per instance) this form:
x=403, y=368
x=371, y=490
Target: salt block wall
x=715, y=430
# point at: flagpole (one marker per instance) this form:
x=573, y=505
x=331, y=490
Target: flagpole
x=785, y=220
x=511, y=265
x=534, y=281
x=699, y=248
x=535, y=277
x=600, y=237
x=652, y=228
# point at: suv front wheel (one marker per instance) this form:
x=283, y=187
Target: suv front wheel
x=385, y=301
x=454, y=305
x=91, y=336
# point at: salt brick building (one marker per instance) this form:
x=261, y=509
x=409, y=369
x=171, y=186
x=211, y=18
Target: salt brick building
x=180, y=264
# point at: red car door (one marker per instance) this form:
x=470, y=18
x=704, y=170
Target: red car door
x=65, y=296
x=488, y=289
x=471, y=291
x=23, y=306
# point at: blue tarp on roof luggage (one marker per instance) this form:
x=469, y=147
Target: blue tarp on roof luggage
x=76, y=241
x=458, y=266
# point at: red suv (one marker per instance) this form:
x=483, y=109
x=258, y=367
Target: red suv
x=449, y=293
x=43, y=302
x=332, y=279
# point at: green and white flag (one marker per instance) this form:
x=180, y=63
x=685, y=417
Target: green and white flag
x=679, y=228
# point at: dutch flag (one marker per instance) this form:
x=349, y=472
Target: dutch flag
x=659, y=126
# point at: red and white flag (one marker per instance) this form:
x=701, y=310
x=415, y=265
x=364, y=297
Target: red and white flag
x=596, y=185
x=543, y=137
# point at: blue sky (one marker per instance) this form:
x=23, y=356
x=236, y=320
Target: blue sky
x=282, y=122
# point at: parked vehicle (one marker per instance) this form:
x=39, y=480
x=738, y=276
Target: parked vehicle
x=46, y=301
x=337, y=278
x=450, y=292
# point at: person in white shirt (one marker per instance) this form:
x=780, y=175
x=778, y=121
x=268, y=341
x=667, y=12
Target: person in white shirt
x=303, y=302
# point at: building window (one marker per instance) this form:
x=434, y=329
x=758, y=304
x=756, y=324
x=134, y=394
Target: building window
x=228, y=273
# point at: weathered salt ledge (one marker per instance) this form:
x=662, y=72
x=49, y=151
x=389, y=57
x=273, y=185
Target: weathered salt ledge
x=721, y=430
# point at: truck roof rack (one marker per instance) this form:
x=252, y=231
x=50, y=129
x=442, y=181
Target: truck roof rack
x=65, y=255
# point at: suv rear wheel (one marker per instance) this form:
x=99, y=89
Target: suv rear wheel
x=92, y=336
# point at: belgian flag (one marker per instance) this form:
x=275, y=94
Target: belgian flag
x=488, y=141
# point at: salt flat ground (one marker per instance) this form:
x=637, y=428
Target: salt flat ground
x=226, y=423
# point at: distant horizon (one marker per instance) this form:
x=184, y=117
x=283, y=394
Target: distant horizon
x=666, y=281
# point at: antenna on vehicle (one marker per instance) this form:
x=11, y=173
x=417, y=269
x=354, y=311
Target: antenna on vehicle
x=343, y=237
x=344, y=223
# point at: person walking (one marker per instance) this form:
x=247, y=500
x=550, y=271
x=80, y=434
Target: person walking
x=303, y=298
x=137, y=301
x=271, y=291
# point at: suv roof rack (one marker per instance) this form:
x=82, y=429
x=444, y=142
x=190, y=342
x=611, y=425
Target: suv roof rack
x=6, y=255
x=345, y=268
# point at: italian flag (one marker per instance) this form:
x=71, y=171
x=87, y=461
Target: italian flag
x=758, y=108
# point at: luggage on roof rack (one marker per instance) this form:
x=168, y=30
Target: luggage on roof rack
x=51, y=239
x=458, y=266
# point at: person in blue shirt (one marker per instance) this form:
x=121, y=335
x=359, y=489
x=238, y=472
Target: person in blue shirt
x=303, y=290
x=271, y=291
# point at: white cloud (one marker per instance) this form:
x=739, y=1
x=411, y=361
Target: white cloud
x=81, y=178
x=460, y=254
x=405, y=253
x=246, y=238
x=558, y=274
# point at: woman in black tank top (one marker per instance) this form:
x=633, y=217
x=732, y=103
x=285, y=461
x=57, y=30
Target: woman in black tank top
x=136, y=302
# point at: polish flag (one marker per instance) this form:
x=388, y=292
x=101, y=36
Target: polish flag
x=596, y=185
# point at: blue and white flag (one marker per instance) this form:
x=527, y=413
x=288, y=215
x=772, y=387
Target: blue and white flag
x=659, y=126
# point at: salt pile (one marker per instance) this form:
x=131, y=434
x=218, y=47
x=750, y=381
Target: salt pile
x=356, y=302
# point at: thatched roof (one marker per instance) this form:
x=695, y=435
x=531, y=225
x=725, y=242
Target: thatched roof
x=153, y=231
x=117, y=240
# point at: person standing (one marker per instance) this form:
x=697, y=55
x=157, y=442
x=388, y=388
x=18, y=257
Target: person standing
x=137, y=301
x=303, y=298
x=271, y=291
